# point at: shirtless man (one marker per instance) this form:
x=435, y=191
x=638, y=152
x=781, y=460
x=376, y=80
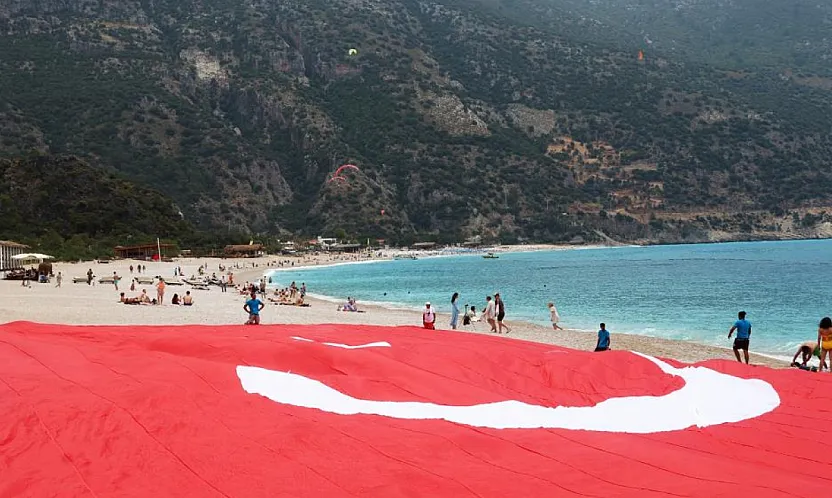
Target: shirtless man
x=807, y=349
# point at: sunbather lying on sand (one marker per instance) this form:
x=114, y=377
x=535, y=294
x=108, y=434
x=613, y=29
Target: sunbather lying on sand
x=131, y=300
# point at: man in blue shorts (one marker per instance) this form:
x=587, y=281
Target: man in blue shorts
x=743, y=328
x=253, y=307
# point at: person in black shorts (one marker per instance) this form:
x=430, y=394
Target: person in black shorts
x=501, y=314
x=743, y=328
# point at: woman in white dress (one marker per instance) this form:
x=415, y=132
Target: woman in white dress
x=554, y=316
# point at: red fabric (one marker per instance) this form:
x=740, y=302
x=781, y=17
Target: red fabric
x=159, y=411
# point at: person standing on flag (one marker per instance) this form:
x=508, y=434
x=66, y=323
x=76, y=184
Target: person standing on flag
x=253, y=307
x=603, y=343
x=743, y=328
x=428, y=317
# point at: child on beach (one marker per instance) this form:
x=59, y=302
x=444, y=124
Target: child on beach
x=554, y=316
x=603, y=343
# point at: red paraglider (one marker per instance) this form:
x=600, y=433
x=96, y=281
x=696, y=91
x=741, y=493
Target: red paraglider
x=337, y=175
x=342, y=168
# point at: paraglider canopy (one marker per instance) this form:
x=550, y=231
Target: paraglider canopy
x=344, y=167
x=353, y=51
x=337, y=175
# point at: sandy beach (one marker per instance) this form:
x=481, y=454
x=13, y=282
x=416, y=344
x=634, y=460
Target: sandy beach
x=82, y=304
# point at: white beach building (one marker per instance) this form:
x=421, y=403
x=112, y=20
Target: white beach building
x=7, y=250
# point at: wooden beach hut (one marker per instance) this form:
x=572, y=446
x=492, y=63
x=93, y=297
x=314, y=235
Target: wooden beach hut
x=244, y=250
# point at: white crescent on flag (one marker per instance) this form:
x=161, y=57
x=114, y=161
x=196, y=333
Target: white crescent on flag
x=707, y=398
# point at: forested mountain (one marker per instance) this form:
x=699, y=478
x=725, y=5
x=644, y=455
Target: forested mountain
x=549, y=120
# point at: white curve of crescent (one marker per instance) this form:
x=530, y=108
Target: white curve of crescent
x=707, y=398
x=382, y=344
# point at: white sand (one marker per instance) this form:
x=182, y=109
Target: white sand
x=80, y=304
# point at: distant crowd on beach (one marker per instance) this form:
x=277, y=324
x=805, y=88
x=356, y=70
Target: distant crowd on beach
x=494, y=314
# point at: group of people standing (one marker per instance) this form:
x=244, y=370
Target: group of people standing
x=494, y=314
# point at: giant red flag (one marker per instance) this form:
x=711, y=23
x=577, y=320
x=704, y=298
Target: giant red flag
x=340, y=411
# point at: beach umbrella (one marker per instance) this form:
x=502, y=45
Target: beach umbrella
x=31, y=256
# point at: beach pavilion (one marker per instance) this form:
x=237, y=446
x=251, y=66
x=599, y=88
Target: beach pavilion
x=143, y=252
x=8, y=249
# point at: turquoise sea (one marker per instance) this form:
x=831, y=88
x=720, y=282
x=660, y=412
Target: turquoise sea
x=680, y=292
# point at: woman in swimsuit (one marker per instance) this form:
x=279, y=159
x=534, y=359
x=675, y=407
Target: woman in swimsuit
x=824, y=340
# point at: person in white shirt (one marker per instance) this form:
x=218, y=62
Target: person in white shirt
x=428, y=317
x=554, y=316
x=490, y=313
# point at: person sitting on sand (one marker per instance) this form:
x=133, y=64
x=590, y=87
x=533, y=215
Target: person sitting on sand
x=428, y=317
x=187, y=299
x=807, y=349
x=253, y=307
x=349, y=305
x=472, y=315
x=144, y=298
x=554, y=317
x=603, y=339
x=175, y=299
x=824, y=340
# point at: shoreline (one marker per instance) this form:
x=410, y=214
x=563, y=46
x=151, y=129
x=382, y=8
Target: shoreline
x=80, y=304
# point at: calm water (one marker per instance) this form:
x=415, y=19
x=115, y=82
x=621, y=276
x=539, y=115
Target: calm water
x=682, y=292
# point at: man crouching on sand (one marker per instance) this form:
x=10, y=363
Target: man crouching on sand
x=253, y=307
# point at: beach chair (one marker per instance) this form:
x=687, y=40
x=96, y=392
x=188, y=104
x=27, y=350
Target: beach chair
x=79, y=280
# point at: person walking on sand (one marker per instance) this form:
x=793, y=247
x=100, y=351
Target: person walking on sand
x=454, y=310
x=89, y=276
x=116, y=280
x=501, y=314
x=253, y=307
x=604, y=341
x=554, y=317
x=160, y=291
x=743, y=328
x=223, y=283
x=428, y=317
x=489, y=313
x=824, y=341
x=59, y=279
